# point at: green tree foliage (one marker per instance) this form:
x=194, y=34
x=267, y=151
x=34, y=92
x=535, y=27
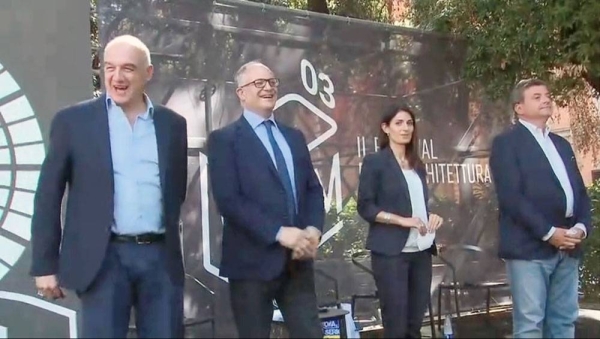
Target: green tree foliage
x=590, y=268
x=556, y=40
x=374, y=10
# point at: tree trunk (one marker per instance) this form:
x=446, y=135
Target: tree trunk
x=319, y=6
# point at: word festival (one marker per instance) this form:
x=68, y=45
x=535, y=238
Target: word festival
x=471, y=171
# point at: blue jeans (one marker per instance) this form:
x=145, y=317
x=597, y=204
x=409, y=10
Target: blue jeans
x=545, y=301
x=133, y=276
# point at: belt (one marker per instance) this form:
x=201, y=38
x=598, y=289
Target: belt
x=140, y=239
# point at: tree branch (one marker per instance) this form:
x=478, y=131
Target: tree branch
x=593, y=80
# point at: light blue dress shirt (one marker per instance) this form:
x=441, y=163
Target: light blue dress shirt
x=138, y=205
x=257, y=124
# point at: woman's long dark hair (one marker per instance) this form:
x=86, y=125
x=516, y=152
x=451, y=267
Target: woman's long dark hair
x=412, y=152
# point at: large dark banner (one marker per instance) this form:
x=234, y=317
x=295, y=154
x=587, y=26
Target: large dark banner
x=44, y=65
x=337, y=76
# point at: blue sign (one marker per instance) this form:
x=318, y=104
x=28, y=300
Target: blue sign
x=332, y=329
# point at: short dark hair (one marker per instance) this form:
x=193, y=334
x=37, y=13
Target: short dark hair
x=516, y=96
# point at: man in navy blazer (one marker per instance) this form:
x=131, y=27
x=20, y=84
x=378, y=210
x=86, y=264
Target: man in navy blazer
x=123, y=162
x=265, y=187
x=544, y=215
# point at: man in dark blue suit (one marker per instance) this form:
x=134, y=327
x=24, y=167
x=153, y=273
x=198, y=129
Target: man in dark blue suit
x=544, y=215
x=271, y=201
x=124, y=162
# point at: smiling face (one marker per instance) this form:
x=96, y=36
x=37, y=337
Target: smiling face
x=400, y=129
x=257, y=89
x=126, y=72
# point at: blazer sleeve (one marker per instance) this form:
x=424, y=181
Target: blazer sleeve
x=422, y=171
x=367, y=189
x=232, y=204
x=583, y=209
x=507, y=181
x=182, y=159
x=46, y=231
x=314, y=191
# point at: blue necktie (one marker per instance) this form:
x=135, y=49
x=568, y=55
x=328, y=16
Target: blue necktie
x=283, y=171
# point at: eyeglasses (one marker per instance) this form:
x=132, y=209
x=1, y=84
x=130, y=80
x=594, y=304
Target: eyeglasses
x=261, y=83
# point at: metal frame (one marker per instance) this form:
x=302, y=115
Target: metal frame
x=305, y=14
x=336, y=291
x=190, y=322
x=456, y=286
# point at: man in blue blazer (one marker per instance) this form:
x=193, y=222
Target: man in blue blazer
x=265, y=187
x=123, y=162
x=544, y=215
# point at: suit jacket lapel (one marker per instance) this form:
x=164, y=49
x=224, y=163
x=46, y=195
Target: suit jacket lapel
x=423, y=175
x=537, y=152
x=163, y=142
x=395, y=167
x=568, y=162
x=100, y=135
x=247, y=135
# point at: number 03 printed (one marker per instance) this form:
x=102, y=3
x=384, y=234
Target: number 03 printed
x=312, y=87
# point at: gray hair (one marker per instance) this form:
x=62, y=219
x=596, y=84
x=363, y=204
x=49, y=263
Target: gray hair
x=240, y=72
x=516, y=96
x=131, y=41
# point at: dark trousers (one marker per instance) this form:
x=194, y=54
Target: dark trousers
x=252, y=304
x=135, y=276
x=403, y=283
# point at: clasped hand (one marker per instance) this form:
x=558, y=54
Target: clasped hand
x=566, y=239
x=303, y=243
x=434, y=223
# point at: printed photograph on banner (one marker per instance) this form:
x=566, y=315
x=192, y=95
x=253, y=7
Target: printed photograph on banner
x=36, y=81
x=334, y=89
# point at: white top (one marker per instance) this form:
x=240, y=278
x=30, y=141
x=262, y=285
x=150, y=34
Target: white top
x=415, y=241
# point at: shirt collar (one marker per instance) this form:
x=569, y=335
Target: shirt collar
x=534, y=129
x=255, y=119
x=149, y=111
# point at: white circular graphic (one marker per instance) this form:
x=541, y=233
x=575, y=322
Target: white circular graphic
x=21, y=155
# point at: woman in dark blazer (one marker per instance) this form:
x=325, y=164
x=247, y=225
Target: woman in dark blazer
x=392, y=198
